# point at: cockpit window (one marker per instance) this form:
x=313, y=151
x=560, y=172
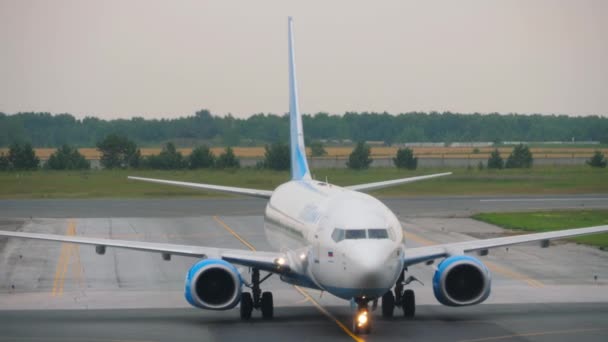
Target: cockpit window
x=377, y=234
x=337, y=235
x=355, y=234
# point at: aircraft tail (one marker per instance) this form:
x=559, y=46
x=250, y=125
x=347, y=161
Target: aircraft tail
x=299, y=165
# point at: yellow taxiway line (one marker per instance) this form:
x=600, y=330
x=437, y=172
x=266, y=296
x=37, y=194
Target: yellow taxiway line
x=237, y=236
x=299, y=289
x=67, y=250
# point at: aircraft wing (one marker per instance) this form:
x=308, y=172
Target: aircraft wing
x=201, y=186
x=427, y=253
x=386, y=184
x=268, y=261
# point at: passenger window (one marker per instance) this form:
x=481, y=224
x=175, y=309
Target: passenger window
x=377, y=233
x=337, y=235
x=355, y=234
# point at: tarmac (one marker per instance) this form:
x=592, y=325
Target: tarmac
x=64, y=292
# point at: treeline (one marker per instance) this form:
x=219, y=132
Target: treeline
x=46, y=130
x=120, y=152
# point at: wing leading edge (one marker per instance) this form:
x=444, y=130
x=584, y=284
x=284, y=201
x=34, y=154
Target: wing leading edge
x=427, y=253
x=268, y=261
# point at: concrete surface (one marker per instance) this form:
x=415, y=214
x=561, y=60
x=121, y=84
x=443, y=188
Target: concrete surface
x=429, y=206
x=558, y=293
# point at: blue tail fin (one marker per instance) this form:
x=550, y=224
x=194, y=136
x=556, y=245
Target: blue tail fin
x=299, y=165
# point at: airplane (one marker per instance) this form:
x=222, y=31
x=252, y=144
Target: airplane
x=330, y=238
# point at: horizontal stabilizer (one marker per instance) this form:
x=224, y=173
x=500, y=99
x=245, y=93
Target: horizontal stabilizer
x=218, y=188
x=386, y=184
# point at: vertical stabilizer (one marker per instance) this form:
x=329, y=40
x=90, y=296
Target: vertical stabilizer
x=299, y=165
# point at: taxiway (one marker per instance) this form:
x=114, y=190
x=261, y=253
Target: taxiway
x=65, y=292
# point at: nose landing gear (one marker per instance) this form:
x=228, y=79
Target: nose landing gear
x=362, y=319
x=260, y=300
x=402, y=298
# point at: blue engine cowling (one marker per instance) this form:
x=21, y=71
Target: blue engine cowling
x=461, y=280
x=213, y=284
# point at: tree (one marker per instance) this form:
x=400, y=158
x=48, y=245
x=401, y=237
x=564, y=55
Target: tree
x=168, y=159
x=597, y=160
x=405, y=159
x=360, y=157
x=521, y=157
x=117, y=151
x=45, y=129
x=201, y=157
x=227, y=160
x=4, y=162
x=22, y=157
x=277, y=157
x=495, y=161
x=67, y=158
x=317, y=149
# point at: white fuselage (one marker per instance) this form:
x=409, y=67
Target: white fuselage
x=348, y=243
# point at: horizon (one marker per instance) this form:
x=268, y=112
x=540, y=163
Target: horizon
x=114, y=61
x=286, y=114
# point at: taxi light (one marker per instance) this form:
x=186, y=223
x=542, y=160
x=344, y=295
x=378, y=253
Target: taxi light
x=362, y=319
x=280, y=261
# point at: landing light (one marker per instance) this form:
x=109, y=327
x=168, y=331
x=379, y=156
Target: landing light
x=362, y=318
x=280, y=261
x=302, y=256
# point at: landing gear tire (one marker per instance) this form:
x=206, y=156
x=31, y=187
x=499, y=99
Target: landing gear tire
x=362, y=320
x=257, y=299
x=409, y=304
x=246, y=305
x=267, y=305
x=388, y=304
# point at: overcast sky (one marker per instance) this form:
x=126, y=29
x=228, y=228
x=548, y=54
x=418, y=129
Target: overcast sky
x=171, y=58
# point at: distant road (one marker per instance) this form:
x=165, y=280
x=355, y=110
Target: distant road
x=432, y=206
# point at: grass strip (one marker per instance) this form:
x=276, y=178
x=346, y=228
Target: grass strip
x=544, y=221
x=114, y=183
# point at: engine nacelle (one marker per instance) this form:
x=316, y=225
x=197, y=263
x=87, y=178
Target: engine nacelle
x=213, y=284
x=461, y=280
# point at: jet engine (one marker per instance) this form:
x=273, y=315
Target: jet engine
x=461, y=280
x=213, y=284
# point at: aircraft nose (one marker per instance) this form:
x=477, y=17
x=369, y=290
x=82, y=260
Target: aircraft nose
x=374, y=265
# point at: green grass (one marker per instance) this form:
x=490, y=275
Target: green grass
x=544, y=221
x=538, y=180
x=114, y=183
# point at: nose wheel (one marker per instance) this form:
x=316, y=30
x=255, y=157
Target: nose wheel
x=362, y=323
x=257, y=299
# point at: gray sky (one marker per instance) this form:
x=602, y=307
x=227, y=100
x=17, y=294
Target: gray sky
x=170, y=58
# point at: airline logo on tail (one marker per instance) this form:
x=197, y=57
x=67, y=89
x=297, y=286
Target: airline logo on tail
x=299, y=165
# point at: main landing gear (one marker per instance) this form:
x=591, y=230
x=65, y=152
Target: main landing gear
x=257, y=299
x=405, y=299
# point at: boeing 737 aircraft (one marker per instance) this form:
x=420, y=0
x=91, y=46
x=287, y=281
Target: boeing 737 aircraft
x=330, y=238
